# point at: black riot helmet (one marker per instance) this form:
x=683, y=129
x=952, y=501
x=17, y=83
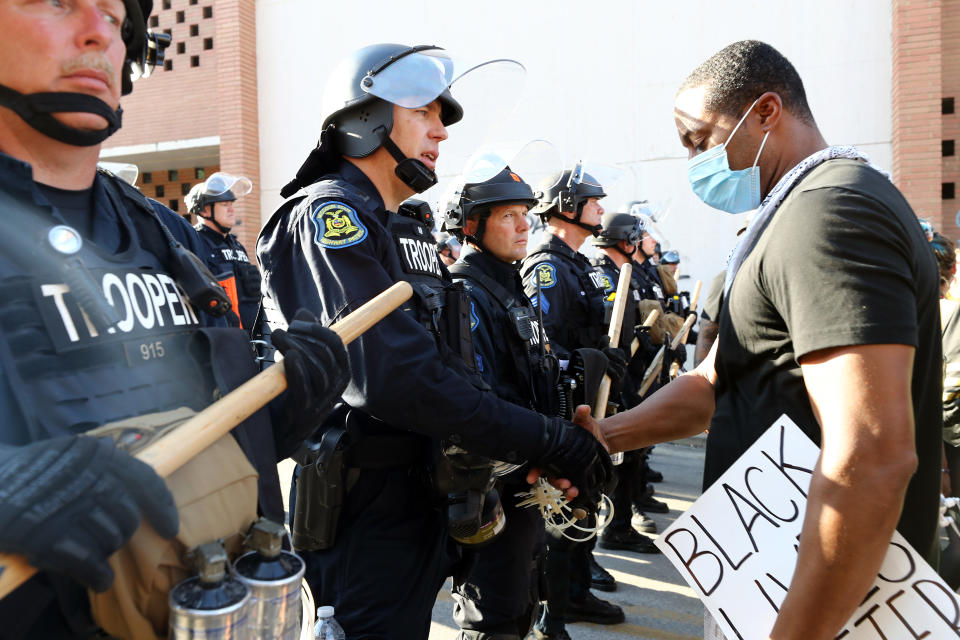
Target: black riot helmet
x=144, y=51
x=617, y=227
x=478, y=198
x=567, y=193
x=220, y=187
x=358, y=108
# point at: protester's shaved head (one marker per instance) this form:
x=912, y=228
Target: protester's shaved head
x=738, y=74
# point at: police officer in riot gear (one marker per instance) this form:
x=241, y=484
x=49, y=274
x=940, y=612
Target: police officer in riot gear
x=500, y=595
x=570, y=296
x=102, y=318
x=616, y=245
x=415, y=390
x=212, y=202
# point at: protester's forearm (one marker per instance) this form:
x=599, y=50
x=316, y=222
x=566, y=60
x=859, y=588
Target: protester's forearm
x=678, y=410
x=851, y=515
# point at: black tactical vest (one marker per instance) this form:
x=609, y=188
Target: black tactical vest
x=535, y=369
x=69, y=375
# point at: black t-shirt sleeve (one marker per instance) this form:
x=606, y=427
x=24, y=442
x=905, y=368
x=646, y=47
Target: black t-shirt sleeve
x=839, y=271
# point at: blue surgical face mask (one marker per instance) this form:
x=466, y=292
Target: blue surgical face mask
x=719, y=186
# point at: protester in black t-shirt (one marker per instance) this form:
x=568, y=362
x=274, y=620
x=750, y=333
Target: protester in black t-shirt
x=831, y=319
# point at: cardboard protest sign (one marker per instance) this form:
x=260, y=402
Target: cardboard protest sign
x=737, y=548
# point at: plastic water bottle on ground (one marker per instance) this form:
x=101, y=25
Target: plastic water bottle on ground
x=327, y=628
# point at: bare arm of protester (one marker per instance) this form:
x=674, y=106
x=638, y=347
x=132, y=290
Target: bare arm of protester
x=861, y=397
x=705, y=339
x=680, y=409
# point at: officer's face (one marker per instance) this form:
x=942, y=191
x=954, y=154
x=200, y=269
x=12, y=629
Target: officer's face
x=506, y=233
x=63, y=45
x=592, y=211
x=648, y=245
x=225, y=213
x=419, y=132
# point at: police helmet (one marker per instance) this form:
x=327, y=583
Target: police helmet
x=566, y=192
x=361, y=92
x=670, y=257
x=477, y=199
x=617, y=227
x=220, y=187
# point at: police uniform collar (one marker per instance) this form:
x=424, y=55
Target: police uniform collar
x=505, y=274
x=349, y=172
x=213, y=233
x=556, y=245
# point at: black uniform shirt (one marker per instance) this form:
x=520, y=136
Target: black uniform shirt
x=571, y=295
x=842, y=262
x=328, y=249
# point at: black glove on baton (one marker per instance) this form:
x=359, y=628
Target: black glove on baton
x=68, y=503
x=317, y=368
x=617, y=362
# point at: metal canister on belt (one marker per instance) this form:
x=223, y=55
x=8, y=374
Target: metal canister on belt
x=211, y=605
x=273, y=576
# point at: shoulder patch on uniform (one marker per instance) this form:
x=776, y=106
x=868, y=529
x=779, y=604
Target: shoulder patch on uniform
x=607, y=283
x=546, y=275
x=474, y=320
x=337, y=225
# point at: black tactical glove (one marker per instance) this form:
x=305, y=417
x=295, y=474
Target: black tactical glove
x=679, y=354
x=644, y=355
x=572, y=452
x=616, y=361
x=68, y=503
x=315, y=361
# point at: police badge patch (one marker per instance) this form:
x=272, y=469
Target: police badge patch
x=337, y=225
x=546, y=275
x=607, y=283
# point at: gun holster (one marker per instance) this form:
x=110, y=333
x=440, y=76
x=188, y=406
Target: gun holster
x=321, y=488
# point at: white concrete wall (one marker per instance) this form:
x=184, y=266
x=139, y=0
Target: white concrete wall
x=600, y=82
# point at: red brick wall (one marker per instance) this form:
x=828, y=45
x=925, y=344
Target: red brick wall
x=917, y=88
x=950, y=87
x=217, y=97
x=171, y=192
x=179, y=103
x=237, y=107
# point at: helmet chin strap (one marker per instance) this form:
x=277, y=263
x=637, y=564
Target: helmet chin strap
x=37, y=109
x=594, y=229
x=212, y=218
x=628, y=256
x=411, y=171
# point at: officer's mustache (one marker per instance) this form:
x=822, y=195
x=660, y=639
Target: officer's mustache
x=90, y=61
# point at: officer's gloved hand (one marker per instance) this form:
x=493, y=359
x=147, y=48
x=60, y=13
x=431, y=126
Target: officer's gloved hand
x=617, y=361
x=644, y=355
x=68, y=503
x=679, y=354
x=572, y=452
x=317, y=369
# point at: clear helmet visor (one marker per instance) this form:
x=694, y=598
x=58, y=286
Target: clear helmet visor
x=123, y=170
x=597, y=175
x=412, y=80
x=531, y=161
x=219, y=183
x=651, y=227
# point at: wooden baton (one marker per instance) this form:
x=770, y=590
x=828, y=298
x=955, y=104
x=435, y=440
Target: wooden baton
x=619, y=305
x=651, y=318
x=173, y=450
